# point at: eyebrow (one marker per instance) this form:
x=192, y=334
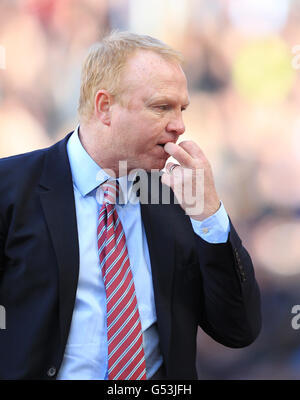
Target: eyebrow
x=165, y=99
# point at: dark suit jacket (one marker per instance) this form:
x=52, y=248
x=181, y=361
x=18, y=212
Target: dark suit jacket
x=195, y=283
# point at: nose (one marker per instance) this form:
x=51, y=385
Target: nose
x=176, y=124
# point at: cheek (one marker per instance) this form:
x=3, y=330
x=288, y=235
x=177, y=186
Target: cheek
x=141, y=135
x=152, y=131
x=147, y=139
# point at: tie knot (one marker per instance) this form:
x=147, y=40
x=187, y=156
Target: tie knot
x=111, y=192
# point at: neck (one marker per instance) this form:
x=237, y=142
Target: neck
x=96, y=143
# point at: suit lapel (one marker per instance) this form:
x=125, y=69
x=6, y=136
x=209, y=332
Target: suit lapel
x=57, y=199
x=161, y=245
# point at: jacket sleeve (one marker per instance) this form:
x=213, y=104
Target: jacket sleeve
x=231, y=313
x=2, y=241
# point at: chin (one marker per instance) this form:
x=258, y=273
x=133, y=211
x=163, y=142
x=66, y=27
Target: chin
x=159, y=164
x=151, y=163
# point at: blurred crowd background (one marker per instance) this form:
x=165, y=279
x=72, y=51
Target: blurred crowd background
x=243, y=66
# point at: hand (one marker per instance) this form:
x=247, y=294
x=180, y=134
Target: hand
x=192, y=181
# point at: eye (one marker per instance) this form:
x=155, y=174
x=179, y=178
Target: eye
x=163, y=107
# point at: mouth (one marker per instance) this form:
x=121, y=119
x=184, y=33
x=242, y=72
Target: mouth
x=164, y=143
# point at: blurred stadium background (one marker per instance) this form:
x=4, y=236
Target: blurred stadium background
x=243, y=66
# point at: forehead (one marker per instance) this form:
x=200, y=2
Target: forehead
x=150, y=73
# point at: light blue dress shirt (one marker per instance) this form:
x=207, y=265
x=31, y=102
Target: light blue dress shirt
x=86, y=350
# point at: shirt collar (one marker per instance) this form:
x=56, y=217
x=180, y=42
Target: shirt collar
x=87, y=174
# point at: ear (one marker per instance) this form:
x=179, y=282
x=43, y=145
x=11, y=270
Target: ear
x=103, y=103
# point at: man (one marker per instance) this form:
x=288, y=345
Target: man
x=98, y=290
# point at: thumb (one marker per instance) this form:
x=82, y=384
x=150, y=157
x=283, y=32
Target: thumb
x=166, y=179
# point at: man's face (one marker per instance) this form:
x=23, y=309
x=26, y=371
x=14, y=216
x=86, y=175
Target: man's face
x=155, y=94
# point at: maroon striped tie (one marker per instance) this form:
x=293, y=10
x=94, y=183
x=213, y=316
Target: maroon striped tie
x=126, y=359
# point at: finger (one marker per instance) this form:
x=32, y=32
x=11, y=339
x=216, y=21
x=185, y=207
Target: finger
x=184, y=159
x=192, y=149
x=169, y=166
x=166, y=179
